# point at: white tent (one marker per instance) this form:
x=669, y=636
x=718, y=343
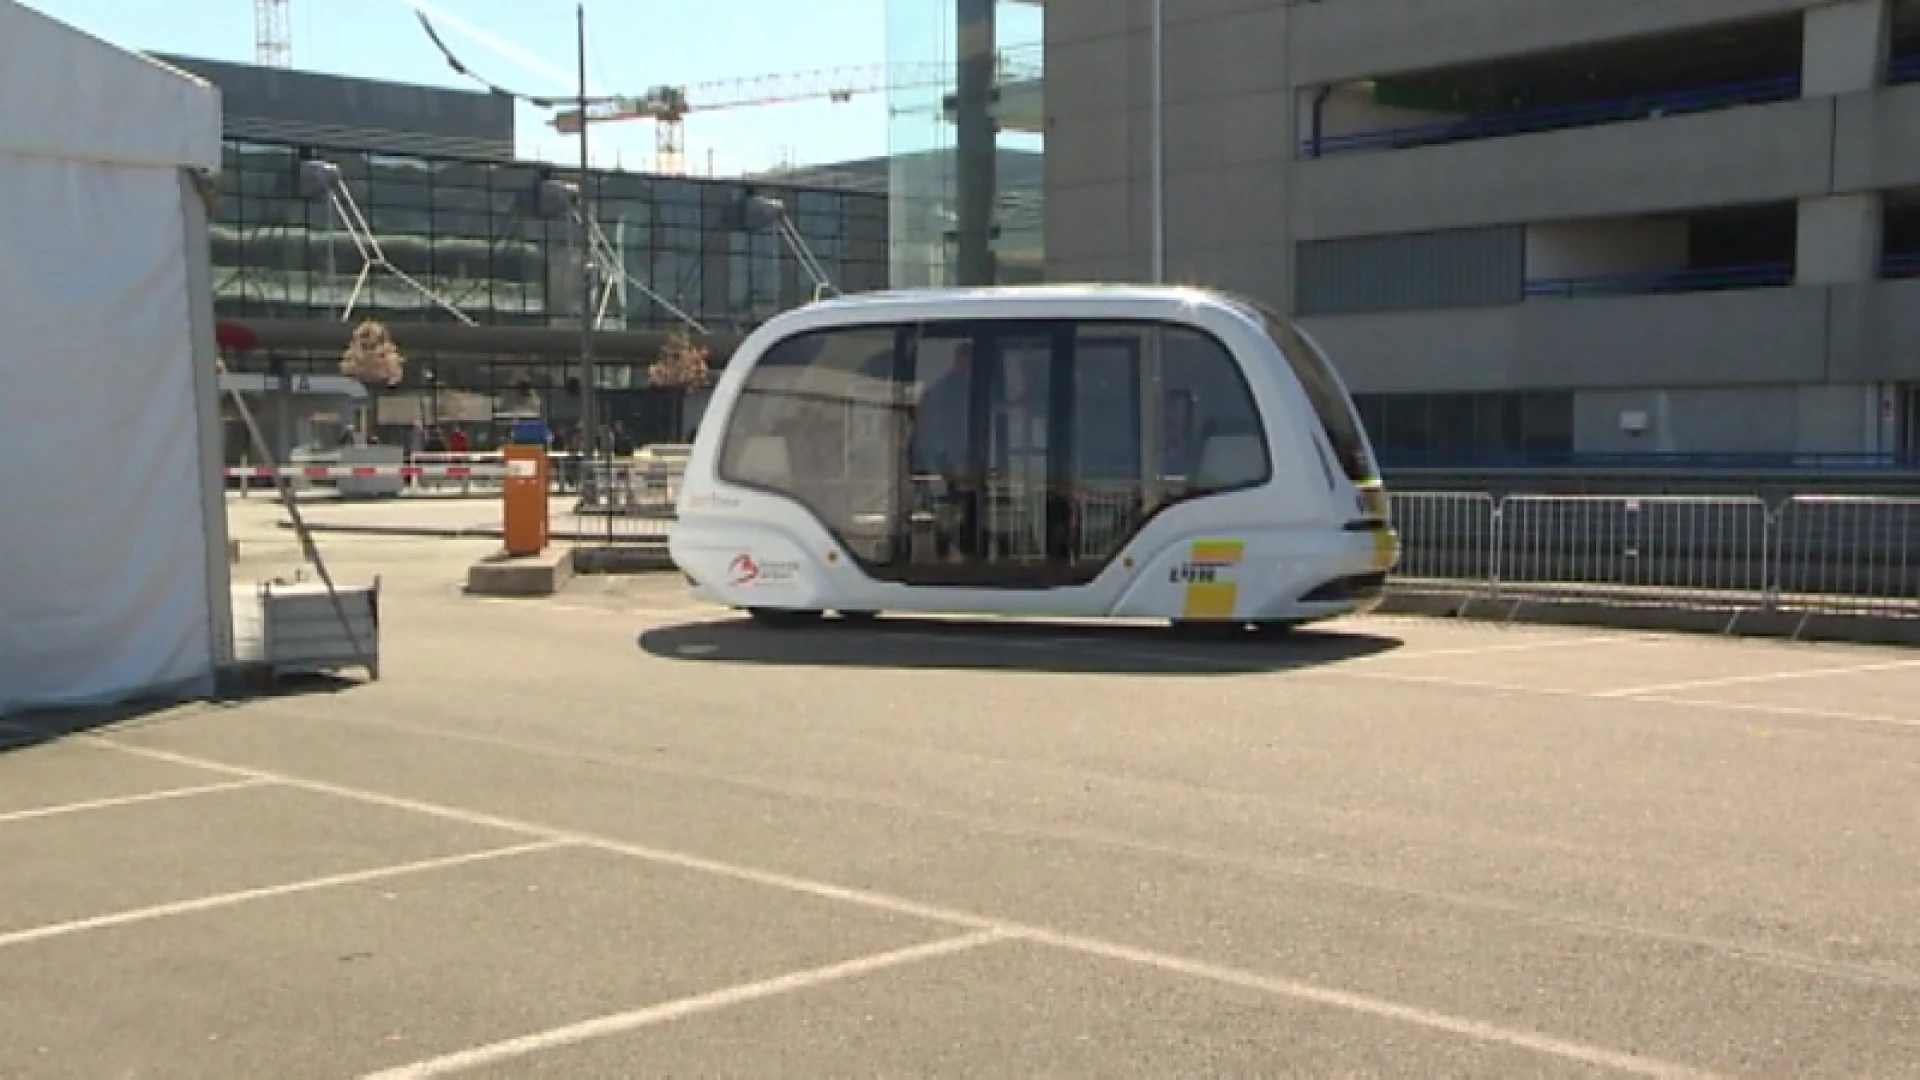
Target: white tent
x=113, y=563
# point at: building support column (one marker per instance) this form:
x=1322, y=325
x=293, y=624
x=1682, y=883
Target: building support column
x=1844, y=47
x=1839, y=239
x=1844, y=50
x=976, y=156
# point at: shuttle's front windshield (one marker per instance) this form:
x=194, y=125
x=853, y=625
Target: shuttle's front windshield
x=1324, y=389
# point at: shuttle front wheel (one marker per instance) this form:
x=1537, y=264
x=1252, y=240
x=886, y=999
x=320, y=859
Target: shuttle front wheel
x=783, y=618
x=793, y=619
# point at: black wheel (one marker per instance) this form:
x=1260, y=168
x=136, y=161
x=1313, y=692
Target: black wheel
x=1275, y=628
x=1207, y=629
x=783, y=618
x=860, y=617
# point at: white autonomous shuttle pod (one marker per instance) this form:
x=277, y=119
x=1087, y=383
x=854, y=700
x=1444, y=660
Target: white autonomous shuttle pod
x=1065, y=451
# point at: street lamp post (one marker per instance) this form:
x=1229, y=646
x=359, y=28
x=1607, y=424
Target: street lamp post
x=589, y=419
x=1157, y=123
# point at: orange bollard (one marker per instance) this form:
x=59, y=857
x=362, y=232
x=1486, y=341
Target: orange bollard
x=524, y=499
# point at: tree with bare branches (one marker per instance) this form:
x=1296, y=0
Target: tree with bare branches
x=680, y=366
x=372, y=357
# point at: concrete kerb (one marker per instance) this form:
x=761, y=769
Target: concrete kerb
x=622, y=559
x=1615, y=615
x=429, y=532
x=548, y=572
x=469, y=532
x=501, y=574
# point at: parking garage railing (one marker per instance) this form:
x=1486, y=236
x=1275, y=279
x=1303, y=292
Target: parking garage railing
x=1701, y=279
x=1555, y=118
x=1679, y=463
x=1807, y=554
x=1900, y=265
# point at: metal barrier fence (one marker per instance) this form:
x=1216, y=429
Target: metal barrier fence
x=1812, y=554
x=1818, y=554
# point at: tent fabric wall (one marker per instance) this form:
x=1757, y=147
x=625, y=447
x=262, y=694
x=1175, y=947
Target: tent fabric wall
x=71, y=95
x=110, y=584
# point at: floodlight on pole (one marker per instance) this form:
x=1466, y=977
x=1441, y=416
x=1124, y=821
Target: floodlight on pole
x=558, y=198
x=580, y=101
x=760, y=212
x=320, y=179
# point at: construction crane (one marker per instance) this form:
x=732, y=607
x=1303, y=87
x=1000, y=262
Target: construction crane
x=272, y=41
x=668, y=106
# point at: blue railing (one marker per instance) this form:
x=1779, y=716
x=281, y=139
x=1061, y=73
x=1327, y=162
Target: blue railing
x=1402, y=459
x=1900, y=265
x=1705, y=279
x=1904, y=69
x=1588, y=114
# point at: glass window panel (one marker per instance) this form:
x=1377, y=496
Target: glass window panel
x=1548, y=422
x=678, y=215
x=819, y=421
x=1495, y=425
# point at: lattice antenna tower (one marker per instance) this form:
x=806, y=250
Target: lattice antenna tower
x=272, y=40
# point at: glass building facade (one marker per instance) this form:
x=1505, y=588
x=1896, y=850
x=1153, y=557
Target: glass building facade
x=475, y=233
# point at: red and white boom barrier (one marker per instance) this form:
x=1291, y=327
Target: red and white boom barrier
x=340, y=472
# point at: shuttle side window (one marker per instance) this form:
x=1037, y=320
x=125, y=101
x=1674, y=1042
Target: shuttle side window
x=1016, y=453
x=1142, y=444
x=820, y=420
x=1215, y=441
x=1211, y=439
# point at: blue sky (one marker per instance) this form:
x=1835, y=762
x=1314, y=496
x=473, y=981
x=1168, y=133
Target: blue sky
x=529, y=45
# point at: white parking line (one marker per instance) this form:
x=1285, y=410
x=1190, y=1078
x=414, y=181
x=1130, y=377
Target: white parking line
x=1185, y=853
x=128, y=800
x=1360, y=670
x=1520, y=646
x=208, y=903
x=1599, y=1057
x=1225, y=663
x=613, y=608
x=1769, y=676
x=1784, y=710
x=1620, y=1061
x=620, y=1023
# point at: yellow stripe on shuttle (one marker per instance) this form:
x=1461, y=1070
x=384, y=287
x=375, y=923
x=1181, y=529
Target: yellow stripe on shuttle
x=1218, y=551
x=1214, y=601
x=1383, y=545
x=1376, y=502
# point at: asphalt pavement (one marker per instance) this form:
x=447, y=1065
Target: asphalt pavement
x=614, y=833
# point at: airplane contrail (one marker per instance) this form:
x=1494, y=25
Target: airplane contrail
x=492, y=41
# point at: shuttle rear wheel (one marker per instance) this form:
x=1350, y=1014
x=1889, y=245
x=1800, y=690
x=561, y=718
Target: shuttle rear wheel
x=783, y=618
x=861, y=618
x=1225, y=630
